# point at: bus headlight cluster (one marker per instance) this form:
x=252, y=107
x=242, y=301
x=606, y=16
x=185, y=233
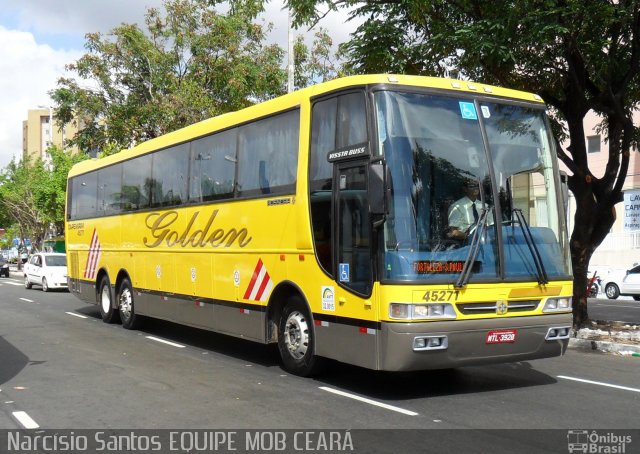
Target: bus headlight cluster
x=402, y=311
x=557, y=305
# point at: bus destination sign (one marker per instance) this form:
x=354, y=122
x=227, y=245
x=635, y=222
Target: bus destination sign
x=441, y=266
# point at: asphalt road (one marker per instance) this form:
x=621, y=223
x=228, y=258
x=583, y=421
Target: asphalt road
x=623, y=309
x=63, y=368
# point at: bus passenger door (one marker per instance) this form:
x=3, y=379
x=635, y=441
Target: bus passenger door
x=354, y=307
x=354, y=251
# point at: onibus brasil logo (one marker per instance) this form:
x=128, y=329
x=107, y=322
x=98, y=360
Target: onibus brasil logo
x=592, y=442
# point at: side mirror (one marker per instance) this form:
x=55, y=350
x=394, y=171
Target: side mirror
x=564, y=187
x=377, y=189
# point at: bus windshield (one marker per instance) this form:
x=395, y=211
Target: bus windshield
x=452, y=161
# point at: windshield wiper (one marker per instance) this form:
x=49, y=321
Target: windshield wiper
x=537, y=259
x=474, y=248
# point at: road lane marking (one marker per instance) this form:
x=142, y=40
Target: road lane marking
x=369, y=401
x=24, y=419
x=28, y=301
x=76, y=315
x=157, y=339
x=13, y=283
x=582, y=380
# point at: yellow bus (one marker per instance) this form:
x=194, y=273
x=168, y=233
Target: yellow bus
x=322, y=221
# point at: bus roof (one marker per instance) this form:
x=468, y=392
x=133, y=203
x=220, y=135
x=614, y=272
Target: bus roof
x=292, y=100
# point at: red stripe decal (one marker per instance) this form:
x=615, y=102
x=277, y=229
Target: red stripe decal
x=256, y=272
x=263, y=285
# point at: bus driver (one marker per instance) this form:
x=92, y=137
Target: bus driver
x=465, y=212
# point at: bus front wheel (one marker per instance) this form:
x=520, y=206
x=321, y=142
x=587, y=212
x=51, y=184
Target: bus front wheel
x=107, y=311
x=296, y=339
x=126, y=308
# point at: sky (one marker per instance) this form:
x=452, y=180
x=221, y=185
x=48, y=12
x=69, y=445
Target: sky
x=39, y=37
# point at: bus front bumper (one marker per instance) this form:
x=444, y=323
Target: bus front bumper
x=450, y=344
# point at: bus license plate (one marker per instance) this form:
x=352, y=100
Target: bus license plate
x=501, y=336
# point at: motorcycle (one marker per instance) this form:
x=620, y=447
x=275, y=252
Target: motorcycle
x=594, y=286
x=4, y=269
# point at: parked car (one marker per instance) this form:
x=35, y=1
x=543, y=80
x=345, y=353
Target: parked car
x=46, y=269
x=625, y=283
x=4, y=267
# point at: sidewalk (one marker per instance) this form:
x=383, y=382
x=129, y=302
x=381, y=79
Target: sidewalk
x=608, y=337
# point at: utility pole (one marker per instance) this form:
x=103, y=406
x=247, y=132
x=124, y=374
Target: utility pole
x=291, y=59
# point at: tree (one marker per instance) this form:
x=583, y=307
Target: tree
x=186, y=65
x=18, y=194
x=32, y=195
x=578, y=55
x=318, y=63
x=50, y=190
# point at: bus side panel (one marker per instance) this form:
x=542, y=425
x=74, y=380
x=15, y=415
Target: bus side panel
x=144, y=300
x=232, y=274
x=195, y=281
x=344, y=323
x=240, y=320
x=346, y=342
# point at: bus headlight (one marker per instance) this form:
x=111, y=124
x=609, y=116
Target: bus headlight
x=401, y=311
x=562, y=304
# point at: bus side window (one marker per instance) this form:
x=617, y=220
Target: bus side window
x=213, y=163
x=268, y=155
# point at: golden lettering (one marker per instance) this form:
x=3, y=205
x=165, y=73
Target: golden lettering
x=160, y=226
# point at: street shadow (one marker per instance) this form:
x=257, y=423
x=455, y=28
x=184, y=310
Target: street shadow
x=370, y=383
x=222, y=344
x=12, y=360
x=433, y=383
x=253, y=352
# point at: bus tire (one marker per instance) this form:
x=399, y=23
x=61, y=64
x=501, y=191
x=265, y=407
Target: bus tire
x=109, y=313
x=296, y=339
x=126, y=307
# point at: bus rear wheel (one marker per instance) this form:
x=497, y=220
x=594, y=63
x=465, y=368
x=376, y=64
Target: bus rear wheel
x=107, y=311
x=126, y=308
x=296, y=340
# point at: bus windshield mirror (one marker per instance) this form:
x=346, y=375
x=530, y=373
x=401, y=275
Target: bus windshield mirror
x=377, y=189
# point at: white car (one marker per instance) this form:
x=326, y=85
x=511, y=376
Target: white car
x=623, y=283
x=46, y=269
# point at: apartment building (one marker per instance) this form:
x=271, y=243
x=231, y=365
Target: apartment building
x=39, y=131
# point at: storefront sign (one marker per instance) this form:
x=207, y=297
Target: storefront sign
x=632, y=210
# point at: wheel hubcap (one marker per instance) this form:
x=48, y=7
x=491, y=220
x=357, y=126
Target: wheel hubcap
x=126, y=303
x=105, y=299
x=296, y=335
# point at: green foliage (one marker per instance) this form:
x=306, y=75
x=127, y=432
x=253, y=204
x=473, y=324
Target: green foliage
x=187, y=64
x=32, y=194
x=18, y=195
x=318, y=64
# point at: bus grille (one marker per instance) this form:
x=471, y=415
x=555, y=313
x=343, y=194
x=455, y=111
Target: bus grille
x=491, y=307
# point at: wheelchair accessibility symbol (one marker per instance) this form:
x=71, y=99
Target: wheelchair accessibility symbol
x=468, y=110
x=344, y=272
